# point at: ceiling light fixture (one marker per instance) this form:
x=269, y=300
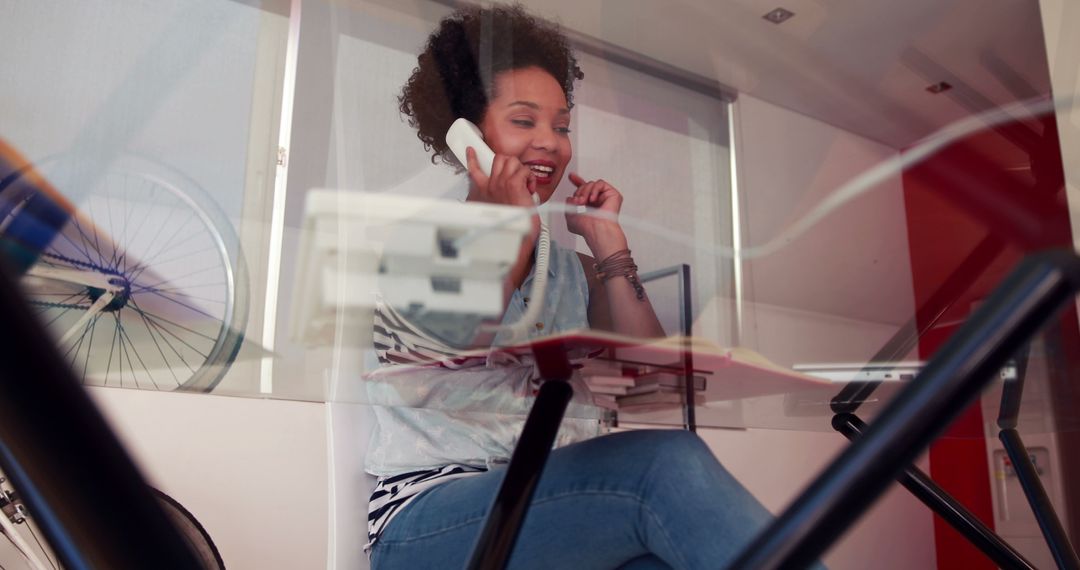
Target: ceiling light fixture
x=779, y=15
x=939, y=87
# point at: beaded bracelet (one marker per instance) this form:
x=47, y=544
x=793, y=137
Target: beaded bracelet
x=620, y=264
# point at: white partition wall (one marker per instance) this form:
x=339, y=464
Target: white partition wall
x=799, y=307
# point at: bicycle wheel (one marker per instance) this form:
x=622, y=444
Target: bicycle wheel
x=26, y=546
x=192, y=530
x=166, y=256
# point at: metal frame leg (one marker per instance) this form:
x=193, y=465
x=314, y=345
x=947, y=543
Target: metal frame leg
x=948, y=508
x=503, y=522
x=1027, y=300
x=1049, y=524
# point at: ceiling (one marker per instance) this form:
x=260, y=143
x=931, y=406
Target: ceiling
x=862, y=65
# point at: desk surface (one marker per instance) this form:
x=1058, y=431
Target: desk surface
x=780, y=399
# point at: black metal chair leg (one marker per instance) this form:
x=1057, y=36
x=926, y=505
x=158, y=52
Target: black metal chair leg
x=1027, y=300
x=503, y=523
x=1049, y=524
x=948, y=508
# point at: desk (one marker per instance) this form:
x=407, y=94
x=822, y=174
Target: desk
x=953, y=379
x=1016, y=312
x=1054, y=287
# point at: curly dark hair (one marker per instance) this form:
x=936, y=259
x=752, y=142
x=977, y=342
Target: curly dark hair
x=455, y=74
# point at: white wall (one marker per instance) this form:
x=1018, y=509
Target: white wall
x=172, y=81
x=775, y=465
x=855, y=262
x=837, y=294
x=1059, y=19
x=254, y=472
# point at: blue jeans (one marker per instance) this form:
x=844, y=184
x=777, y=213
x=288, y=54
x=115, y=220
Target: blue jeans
x=632, y=500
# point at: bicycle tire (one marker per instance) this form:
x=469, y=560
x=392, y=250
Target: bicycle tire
x=188, y=355
x=189, y=527
x=192, y=530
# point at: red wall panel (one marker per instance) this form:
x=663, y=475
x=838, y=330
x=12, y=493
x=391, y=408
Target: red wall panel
x=989, y=193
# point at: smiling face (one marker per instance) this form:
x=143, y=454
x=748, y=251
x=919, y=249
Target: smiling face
x=528, y=118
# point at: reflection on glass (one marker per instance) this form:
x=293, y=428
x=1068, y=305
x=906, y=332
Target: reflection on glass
x=866, y=234
x=846, y=186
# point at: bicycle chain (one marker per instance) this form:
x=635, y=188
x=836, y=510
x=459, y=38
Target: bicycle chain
x=86, y=264
x=59, y=305
x=76, y=262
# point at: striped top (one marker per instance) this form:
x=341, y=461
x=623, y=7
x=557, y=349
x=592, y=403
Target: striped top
x=416, y=447
x=391, y=494
x=398, y=342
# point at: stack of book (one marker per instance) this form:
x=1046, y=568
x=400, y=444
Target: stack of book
x=639, y=389
x=641, y=375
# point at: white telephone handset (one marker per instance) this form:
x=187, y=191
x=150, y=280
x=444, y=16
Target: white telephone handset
x=463, y=134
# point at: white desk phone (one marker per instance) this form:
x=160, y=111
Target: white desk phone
x=463, y=134
x=410, y=251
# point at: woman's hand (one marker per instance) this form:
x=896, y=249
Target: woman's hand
x=603, y=234
x=510, y=182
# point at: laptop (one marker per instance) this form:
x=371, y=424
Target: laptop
x=843, y=372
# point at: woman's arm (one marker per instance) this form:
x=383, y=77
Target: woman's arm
x=510, y=183
x=614, y=302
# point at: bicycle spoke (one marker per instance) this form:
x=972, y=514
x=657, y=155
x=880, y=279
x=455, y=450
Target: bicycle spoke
x=212, y=248
x=168, y=245
x=170, y=280
x=97, y=242
x=183, y=293
x=164, y=358
x=188, y=287
x=139, y=358
x=161, y=333
x=160, y=229
x=112, y=227
x=178, y=325
x=78, y=345
x=125, y=352
x=145, y=263
x=90, y=346
x=62, y=313
x=142, y=224
x=85, y=252
x=174, y=335
x=167, y=240
x=196, y=309
x=112, y=349
x=41, y=546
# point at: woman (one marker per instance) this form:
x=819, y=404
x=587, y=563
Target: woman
x=643, y=499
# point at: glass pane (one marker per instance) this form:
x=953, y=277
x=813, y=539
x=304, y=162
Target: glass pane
x=259, y=199
x=663, y=142
x=153, y=126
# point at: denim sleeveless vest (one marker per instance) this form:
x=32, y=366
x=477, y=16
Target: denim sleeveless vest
x=474, y=415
